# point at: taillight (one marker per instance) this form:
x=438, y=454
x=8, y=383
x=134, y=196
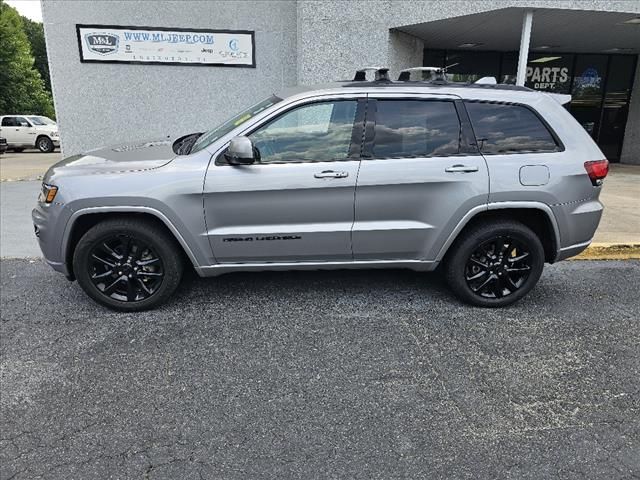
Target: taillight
x=597, y=170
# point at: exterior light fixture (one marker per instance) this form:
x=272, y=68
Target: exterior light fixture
x=544, y=59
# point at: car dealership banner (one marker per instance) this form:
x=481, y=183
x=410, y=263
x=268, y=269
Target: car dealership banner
x=155, y=45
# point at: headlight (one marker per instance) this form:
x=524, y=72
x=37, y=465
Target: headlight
x=48, y=193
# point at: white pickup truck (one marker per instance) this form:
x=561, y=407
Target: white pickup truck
x=29, y=131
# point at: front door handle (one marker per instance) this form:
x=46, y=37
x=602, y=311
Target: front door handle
x=461, y=168
x=331, y=174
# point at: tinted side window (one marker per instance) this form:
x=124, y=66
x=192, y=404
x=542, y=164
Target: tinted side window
x=501, y=128
x=416, y=128
x=8, y=122
x=310, y=133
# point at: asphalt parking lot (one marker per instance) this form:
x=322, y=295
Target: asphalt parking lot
x=372, y=374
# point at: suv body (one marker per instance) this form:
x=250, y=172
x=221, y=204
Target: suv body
x=345, y=175
x=29, y=131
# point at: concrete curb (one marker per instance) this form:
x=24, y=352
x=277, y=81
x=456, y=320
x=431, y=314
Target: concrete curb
x=610, y=251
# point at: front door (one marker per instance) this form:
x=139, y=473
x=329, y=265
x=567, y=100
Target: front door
x=296, y=203
x=420, y=174
x=14, y=131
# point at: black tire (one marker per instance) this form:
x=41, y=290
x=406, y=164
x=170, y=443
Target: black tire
x=494, y=264
x=44, y=144
x=18, y=150
x=145, y=262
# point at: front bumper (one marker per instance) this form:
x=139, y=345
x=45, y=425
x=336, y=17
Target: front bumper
x=56, y=141
x=49, y=223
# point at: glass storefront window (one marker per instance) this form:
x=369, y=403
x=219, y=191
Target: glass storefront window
x=550, y=72
x=600, y=85
x=472, y=66
x=586, y=93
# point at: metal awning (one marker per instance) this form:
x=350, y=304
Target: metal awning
x=562, y=30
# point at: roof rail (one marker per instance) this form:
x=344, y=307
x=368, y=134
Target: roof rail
x=405, y=75
x=382, y=73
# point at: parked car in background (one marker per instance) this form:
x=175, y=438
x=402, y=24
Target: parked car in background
x=29, y=131
x=3, y=145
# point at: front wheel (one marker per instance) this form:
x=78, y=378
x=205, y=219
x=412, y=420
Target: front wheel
x=128, y=264
x=495, y=264
x=45, y=145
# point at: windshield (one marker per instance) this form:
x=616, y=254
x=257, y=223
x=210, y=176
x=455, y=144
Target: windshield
x=41, y=121
x=212, y=135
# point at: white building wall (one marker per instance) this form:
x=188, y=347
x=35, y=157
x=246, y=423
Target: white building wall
x=297, y=41
x=100, y=104
x=338, y=36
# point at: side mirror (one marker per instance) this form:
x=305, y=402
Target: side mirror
x=24, y=124
x=240, y=152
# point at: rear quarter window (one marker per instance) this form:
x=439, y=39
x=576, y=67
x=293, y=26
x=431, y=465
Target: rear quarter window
x=504, y=128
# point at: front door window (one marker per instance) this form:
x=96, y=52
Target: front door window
x=319, y=132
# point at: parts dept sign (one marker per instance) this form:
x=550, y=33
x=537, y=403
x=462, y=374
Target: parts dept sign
x=166, y=46
x=546, y=78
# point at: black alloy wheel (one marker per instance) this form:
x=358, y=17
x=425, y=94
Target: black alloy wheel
x=498, y=267
x=494, y=263
x=128, y=263
x=126, y=268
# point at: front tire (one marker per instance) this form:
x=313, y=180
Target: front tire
x=128, y=265
x=44, y=144
x=494, y=264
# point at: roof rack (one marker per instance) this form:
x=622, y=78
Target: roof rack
x=405, y=75
x=382, y=73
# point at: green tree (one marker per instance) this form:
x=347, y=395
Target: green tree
x=35, y=34
x=22, y=90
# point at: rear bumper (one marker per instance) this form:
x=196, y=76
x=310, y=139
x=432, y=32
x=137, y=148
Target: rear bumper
x=577, y=224
x=571, y=250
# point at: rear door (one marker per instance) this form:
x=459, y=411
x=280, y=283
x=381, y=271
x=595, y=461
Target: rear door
x=296, y=203
x=420, y=174
x=10, y=129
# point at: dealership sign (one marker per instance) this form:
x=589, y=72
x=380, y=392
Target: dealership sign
x=155, y=45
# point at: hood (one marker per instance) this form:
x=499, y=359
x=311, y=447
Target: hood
x=118, y=159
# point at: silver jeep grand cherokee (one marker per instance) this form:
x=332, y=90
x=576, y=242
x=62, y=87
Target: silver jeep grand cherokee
x=487, y=181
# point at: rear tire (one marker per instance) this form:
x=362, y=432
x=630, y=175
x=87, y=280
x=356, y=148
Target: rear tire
x=44, y=144
x=494, y=264
x=18, y=150
x=128, y=264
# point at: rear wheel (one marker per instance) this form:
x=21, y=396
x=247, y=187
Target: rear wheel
x=44, y=144
x=128, y=265
x=495, y=264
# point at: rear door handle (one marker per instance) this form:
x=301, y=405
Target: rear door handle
x=461, y=168
x=331, y=174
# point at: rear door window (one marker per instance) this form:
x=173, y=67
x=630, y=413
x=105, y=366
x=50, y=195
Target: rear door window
x=504, y=128
x=416, y=128
x=8, y=122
